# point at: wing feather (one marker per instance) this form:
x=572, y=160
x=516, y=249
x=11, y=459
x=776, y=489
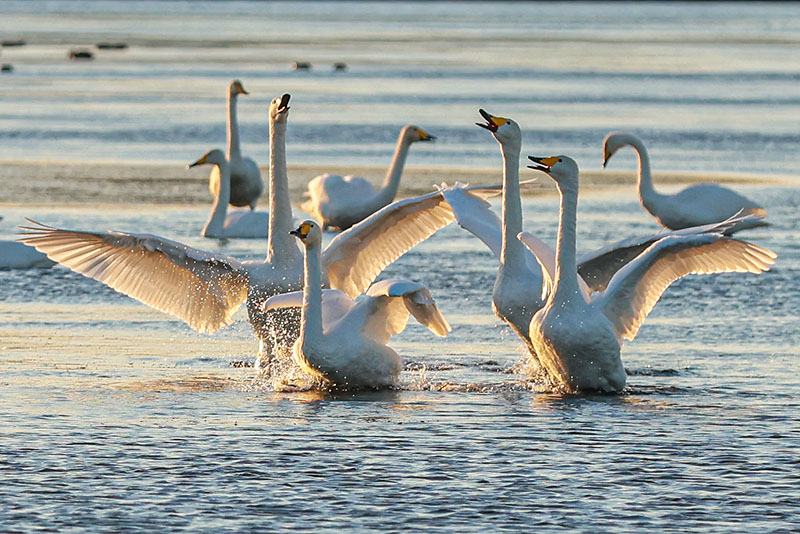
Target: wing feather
x=198, y=287
x=637, y=287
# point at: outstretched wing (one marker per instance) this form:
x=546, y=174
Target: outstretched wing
x=198, y=287
x=355, y=257
x=635, y=289
x=597, y=267
x=335, y=304
x=387, y=304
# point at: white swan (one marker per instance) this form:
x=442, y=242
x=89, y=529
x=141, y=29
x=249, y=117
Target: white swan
x=205, y=289
x=237, y=223
x=15, y=255
x=340, y=202
x=696, y=205
x=578, y=342
x=246, y=183
x=343, y=341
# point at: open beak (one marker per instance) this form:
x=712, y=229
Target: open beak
x=284, y=105
x=492, y=122
x=301, y=231
x=542, y=164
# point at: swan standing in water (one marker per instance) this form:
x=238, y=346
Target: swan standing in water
x=578, y=342
x=343, y=341
x=340, y=202
x=696, y=205
x=205, y=289
x=238, y=223
x=246, y=183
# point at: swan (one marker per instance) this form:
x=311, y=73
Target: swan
x=343, y=341
x=15, y=255
x=578, y=342
x=340, y=202
x=238, y=223
x=205, y=289
x=246, y=183
x=696, y=205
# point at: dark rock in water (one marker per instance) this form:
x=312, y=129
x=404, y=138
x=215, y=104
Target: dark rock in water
x=111, y=46
x=339, y=66
x=302, y=65
x=7, y=67
x=12, y=42
x=80, y=54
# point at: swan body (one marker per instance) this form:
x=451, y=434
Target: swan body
x=245, y=177
x=578, y=342
x=340, y=202
x=205, y=289
x=342, y=341
x=15, y=255
x=238, y=223
x=694, y=206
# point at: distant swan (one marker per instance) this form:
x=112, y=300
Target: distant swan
x=696, y=205
x=343, y=341
x=339, y=202
x=578, y=342
x=205, y=289
x=15, y=255
x=237, y=223
x=246, y=183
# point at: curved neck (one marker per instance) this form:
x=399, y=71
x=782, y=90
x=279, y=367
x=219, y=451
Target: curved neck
x=647, y=192
x=280, y=245
x=511, y=252
x=566, y=280
x=391, y=183
x=216, y=219
x=234, y=150
x=311, y=319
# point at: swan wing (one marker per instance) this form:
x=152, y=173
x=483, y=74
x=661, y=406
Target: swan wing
x=597, y=267
x=198, y=287
x=355, y=257
x=335, y=304
x=636, y=287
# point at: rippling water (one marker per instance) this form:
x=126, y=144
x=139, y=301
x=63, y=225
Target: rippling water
x=118, y=418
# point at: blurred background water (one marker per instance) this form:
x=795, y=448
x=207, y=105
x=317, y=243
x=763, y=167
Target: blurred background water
x=117, y=417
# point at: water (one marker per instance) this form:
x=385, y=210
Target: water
x=116, y=417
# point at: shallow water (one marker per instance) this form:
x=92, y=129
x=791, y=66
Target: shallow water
x=117, y=417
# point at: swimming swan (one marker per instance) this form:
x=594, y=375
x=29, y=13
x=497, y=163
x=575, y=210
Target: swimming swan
x=246, y=183
x=205, y=289
x=343, y=341
x=578, y=342
x=696, y=205
x=237, y=223
x=342, y=202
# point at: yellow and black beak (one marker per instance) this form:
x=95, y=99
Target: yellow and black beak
x=241, y=90
x=284, y=105
x=200, y=161
x=606, y=157
x=492, y=122
x=425, y=136
x=543, y=164
x=301, y=232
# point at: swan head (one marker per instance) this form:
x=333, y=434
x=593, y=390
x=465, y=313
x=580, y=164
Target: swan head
x=562, y=169
x=613, y=142
x=415, y=133
x=505, y=130
x=279, y=108
x=236, y=88
x=309, y=232
x=214, y=157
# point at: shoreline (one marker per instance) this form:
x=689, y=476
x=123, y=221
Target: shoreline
x=66, y=183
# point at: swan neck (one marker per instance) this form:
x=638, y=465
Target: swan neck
x=391, y=183
x=647, y=192
x=216, y=219
x=511, y=251
x=280, y=245
x=311, y=320
x=234, y=149
x=566, y=279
